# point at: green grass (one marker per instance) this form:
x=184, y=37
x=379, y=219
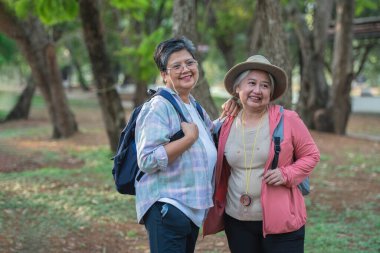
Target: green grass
x=56, y=201
x=351, y=230
x=39, y=102
x=36, y=131
x=7, y=100
x=358, y=163
x=348, y=231
x=3, y=114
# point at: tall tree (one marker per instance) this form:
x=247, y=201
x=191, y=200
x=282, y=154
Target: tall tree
x=39, y=50
x=109, y=99
x=184, y=24
x=22, y=107
x=342, y=66
x=273, y=40
x=312, y=42
x=8, y=56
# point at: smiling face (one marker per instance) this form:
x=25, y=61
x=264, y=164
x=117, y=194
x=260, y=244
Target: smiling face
x=182, y=72
x=254, y=90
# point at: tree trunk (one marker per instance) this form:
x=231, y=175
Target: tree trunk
x=224, y=43
x=22, y=107
x=314, y=90
x=81, y=79
x=109, y=99
x=141, y=93
x=274, y=42
x=184, y=24
x=38, y=48
x=342, y=67
x=78, y=69
x=254, y=38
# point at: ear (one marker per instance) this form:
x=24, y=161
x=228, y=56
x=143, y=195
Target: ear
x=237, y=89
x=163, y=75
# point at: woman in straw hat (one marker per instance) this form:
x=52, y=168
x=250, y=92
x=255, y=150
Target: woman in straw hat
x=261, y=209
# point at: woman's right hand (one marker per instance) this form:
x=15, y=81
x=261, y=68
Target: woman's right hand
x=175, y=148
x=190, y=131
x=230, y=107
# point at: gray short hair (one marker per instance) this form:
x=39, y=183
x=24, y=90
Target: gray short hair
x=167, y=47
x=244, y=74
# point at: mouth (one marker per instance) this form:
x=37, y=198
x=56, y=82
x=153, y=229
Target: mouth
x=186, y=77
x=255, y=99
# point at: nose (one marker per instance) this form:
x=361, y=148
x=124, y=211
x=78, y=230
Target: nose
x=184, y=67
x=256, y=89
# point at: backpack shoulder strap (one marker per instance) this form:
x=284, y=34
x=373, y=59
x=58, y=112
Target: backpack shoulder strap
x=200, y=111
x=279, y=130
x=171, y=99
x=278, y=136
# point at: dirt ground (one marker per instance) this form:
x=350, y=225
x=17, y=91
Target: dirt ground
x=112, y=237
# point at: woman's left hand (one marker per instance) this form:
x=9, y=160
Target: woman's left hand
x=274, y=177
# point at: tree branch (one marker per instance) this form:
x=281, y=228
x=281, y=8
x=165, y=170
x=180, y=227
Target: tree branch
x=9, y=24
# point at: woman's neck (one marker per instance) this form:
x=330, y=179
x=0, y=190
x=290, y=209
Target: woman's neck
x=185, y=99
x=252, y=117
x=183, y=94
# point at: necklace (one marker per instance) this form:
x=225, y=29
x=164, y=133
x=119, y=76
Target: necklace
x=245, y=199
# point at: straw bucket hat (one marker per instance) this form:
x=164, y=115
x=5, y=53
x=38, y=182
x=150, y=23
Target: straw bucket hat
x=258, y=62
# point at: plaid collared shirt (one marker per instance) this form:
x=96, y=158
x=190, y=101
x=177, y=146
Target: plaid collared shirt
x=186, y=179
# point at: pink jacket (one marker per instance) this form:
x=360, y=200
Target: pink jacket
x=283, y=207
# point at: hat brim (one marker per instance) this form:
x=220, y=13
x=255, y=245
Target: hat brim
x=279, y=75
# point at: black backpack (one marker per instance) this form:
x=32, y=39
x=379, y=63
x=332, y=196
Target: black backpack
x=125, y=169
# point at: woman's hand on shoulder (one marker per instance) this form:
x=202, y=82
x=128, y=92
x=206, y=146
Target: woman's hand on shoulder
x=230, y=107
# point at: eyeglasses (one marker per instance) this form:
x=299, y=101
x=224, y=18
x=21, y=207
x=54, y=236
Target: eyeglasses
x=178, y=68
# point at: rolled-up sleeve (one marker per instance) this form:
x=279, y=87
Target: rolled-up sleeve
x=153, y=128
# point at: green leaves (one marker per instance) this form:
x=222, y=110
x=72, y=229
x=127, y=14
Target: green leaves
x=23, y=7
x=130, y=4
x=136, y=8
x=56, y=11
x=139, y=59
x=50, y=12
x=8, y=50
x=368, y=6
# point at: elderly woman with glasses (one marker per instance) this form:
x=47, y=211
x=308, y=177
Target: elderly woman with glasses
x=173, y=196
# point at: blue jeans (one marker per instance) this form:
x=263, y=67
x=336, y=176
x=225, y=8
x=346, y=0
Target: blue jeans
x=247, y=236
x=170, y=230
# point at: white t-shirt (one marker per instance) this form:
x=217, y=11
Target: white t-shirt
x=196, y=215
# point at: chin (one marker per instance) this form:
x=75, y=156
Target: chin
x=187, y=85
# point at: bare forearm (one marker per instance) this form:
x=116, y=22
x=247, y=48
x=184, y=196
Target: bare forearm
x=176, y=148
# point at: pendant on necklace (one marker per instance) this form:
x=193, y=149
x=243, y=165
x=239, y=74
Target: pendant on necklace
x=245, y=200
